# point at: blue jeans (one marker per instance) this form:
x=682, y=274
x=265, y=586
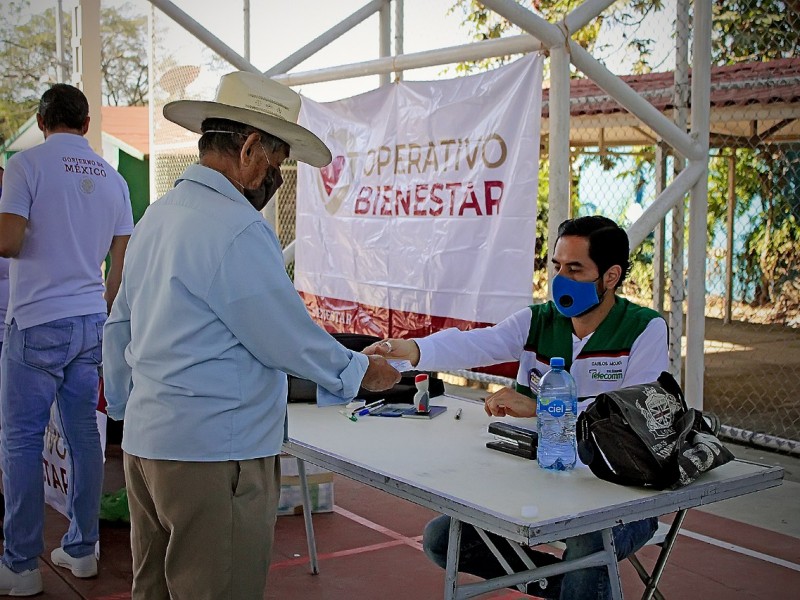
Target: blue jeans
x=584, y=584
x=54, y=361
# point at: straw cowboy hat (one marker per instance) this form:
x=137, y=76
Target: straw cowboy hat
x=258, y=101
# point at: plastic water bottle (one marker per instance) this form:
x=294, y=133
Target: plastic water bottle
x=556, y=411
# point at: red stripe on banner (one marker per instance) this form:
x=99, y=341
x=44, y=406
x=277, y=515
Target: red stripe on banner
x=347, y=316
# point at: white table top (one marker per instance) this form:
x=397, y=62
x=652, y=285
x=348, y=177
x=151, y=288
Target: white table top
x=444, y=464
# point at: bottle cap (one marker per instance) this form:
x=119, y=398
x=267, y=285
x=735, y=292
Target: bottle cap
x=421, y=382
x=557, y=361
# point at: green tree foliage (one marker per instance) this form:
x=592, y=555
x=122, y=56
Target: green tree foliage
x=486, y=24
x=28, y=63
x=755, y=30
x=123, y=56
x=767, y=176
x=767, y=264
x=767, y=188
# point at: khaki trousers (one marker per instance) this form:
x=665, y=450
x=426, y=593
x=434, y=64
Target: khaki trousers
x=201, y=530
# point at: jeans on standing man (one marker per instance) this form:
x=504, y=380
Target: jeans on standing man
x=56, y=361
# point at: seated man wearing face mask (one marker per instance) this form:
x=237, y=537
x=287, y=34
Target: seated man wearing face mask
x=607, y=343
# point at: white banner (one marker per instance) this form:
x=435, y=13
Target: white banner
x=426, y=218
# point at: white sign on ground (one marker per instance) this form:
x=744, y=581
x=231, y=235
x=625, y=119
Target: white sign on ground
x=56, y=460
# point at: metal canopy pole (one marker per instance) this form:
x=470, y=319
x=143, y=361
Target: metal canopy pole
x=518, y=44
x=86, y=65
x=558, y=192
x=597, y=72
x=59, y=44
x=585, y=13
x=659, y=240
x=677, y=288
x=475, y=51
x=399, y=32
x=729, y=242
x=698, y=206
x=558, y=198
x=326, y=38
x=246, y=25
x=634, y=103
x=671, y=196
x=204, y=35
x=385, y=37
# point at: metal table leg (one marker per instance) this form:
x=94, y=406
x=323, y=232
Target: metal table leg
x=453, y=551
x=666, y=548
x=501, y=559
x=312, y=542
x=613, y=567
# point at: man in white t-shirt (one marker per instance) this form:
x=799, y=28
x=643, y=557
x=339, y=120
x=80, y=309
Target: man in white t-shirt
x=63, y=209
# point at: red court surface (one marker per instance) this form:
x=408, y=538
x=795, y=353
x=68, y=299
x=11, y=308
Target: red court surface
x=369, y=547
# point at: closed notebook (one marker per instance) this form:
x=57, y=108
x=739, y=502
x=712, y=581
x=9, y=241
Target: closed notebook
x=433, y=411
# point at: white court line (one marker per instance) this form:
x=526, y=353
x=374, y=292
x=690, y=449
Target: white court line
x=415, y=542
x=740, y=549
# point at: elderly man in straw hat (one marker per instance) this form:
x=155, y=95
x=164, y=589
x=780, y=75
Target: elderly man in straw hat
x=202, y=333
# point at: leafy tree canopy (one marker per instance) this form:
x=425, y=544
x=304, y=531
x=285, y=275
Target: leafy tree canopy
x=486, y=24
x=744, y=30
x=28, y=62
x=767, y=175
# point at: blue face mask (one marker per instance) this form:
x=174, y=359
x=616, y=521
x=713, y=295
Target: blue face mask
x=574, y=298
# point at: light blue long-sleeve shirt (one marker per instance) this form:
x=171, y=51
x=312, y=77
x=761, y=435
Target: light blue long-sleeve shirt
x=205, y=327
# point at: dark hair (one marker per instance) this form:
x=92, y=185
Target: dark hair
x=608, y=242
x=63, y=106
x=226, y=143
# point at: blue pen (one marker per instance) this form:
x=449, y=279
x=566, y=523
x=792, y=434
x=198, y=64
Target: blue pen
x=365, y=410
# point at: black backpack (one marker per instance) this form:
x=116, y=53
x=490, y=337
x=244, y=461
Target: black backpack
x=303, y=390
x=645, y=435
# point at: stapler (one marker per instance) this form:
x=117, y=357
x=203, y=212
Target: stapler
x=513, y=439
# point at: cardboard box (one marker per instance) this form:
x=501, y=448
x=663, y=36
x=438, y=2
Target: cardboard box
x=320, y=488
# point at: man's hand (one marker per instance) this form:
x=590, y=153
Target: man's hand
x=509, y=403
x=380, y=375
x=395, y=348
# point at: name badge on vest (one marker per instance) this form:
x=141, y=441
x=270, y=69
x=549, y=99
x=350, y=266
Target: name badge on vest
x=534, y=376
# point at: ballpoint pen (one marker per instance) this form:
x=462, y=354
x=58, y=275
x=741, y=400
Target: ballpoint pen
x=364, y=410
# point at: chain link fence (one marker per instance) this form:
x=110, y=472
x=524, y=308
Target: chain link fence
x=752, y=340
x=752, y=347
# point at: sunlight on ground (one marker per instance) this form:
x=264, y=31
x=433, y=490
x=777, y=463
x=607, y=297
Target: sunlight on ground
x=716, y=346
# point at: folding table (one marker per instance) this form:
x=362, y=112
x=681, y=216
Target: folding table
x=443, y=464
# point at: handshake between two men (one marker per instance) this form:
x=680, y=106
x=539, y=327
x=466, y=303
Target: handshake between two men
x=381, y=375
x=506, y=402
